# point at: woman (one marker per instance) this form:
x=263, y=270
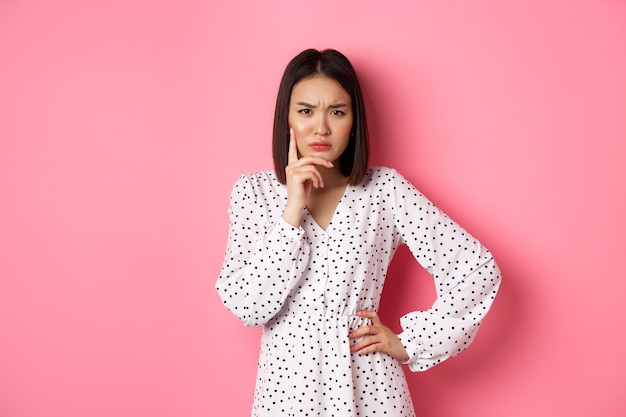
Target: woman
x=308, y=249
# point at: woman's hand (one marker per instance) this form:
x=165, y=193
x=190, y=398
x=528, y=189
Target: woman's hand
x=302, y=175
x=377, y=338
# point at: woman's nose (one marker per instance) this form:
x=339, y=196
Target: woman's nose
x=322, y=127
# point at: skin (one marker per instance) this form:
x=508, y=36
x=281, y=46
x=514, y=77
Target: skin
x=321, y=118
x=320, y=112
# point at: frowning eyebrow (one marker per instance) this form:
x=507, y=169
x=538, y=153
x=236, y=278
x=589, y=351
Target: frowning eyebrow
x=311, y=106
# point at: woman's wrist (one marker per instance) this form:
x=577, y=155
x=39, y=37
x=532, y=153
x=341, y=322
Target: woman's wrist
x=292, y=216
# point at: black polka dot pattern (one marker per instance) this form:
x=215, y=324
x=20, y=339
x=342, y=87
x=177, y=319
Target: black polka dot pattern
x=305, y=285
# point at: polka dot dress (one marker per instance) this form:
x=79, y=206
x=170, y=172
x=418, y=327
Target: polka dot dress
x=304, y=286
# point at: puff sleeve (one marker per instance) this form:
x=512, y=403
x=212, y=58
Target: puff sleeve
x=465, y=274
x=264, y=259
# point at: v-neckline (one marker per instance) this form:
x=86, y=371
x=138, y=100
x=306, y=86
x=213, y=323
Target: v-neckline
x=333, y=216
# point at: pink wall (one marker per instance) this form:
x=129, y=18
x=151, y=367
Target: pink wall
x=123, y=125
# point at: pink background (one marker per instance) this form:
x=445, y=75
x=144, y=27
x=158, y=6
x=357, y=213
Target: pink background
x=123, y=125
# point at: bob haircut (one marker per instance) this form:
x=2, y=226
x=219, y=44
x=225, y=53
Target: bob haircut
x=332, y=64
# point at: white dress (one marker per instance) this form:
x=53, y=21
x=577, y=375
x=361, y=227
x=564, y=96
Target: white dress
x=304, y=286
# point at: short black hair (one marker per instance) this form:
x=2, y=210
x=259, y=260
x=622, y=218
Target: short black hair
x=332, y=64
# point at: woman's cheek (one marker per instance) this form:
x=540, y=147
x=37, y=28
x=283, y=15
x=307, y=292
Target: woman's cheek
x=299, y=129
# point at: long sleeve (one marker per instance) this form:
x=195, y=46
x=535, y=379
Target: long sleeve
x=264, y=258
x=465, y=275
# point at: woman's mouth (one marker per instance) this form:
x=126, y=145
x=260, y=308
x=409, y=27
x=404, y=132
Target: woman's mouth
x=320, y=146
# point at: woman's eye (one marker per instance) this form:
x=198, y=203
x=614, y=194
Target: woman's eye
x=305, y=111
x=337, y=113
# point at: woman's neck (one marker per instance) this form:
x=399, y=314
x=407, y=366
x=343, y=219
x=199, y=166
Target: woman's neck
x=333, y=177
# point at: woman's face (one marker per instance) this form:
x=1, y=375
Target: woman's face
x=320, y=114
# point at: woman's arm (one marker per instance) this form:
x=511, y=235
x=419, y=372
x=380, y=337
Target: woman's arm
x=465, y=274
x=264, y=260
